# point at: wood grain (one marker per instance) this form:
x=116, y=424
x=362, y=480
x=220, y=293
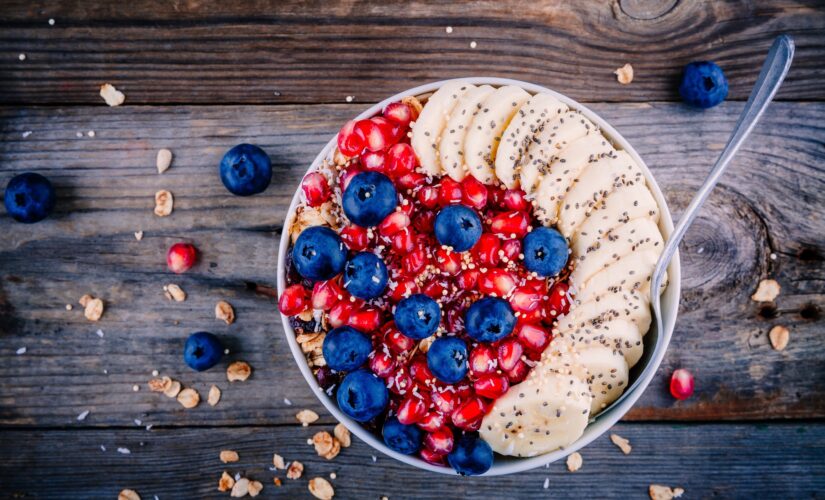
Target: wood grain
x=265, y=52
x=707, y=460
x=765, y=205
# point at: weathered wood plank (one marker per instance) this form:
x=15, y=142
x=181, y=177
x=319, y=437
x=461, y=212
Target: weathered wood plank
x=767, y=203
x=310, y=52
x=707, y=460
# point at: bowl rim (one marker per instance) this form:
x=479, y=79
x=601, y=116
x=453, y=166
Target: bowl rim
x=604, y=420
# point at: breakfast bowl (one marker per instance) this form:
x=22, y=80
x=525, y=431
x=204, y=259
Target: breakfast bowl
x=563, y=354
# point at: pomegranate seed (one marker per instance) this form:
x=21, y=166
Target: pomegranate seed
x=440, y=441
x=393, y=223
x=512, y=249
x=382, y=364
x=532, y=337
x=293, y=301
x=424, y=221
x=681, y=384
x=496, y=198
x=467, y=279
x=403, y=241
x=432, y=421
x=419, y=370
x=374, y=161
x=411, y=410
x=486, y=249
x=349, y=173
x=509, y=353
x=513, y=199
x=400, y=383
x=411, y=180
x=428, y=196
x=558, y=302
x=414, y=262
x=375, y=138
x=325, y=294
x=448, y=261
x=340, y=313
x=475, y=193
x=391, y=130
x=449, y=192
x=468, y=415
x=435, y=289
x=525, y=300
x=181, y=257
x=536, y=284
x=510, y=224
x=532, y=317
x=401, y=160
x=365, y=321
x=491, y=386
x=316, y=189
x=496, y=281
x=454, y=317
x=403, y=288
x=399, y=113
x=431, y=457
x=518, y=373
x=355, y=237
x=350, y=141
x=444, y=401
x=483, y=360
x=399, y=343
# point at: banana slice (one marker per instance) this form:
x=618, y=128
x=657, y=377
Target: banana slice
x=637, y=235
x=481, y=142
x=622, y=336
x=554, y=136
x=451, y=145
x=607, y=374
x=631, y=272
x=549, y=410
x=626, y=305
x=520, y=133
x=427, y=128
x=563, y=172
x=619, y=207
x=596, y=181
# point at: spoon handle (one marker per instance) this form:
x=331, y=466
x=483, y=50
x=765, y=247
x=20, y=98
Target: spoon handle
x=770, y=78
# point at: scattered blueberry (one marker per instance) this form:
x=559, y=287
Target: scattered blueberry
x=447, y=359
x=369, y=198
x=365, y=275
x=457, y=226
x=319, y=253
x=545, y=251
x=29, y=197
x=245, y=170
x=402, y=438
x=362, y=395
x=471, y=456
x=346, y=349
x=703, y=84
x=202, y=351
x=417, y=316
x=489, y=319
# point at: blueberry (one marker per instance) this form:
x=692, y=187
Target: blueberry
x=545, y=251
x=703, y=84
x=362, y=395
x=29, y=197
x=365, y=275
x=202, y=351
x=447, y=359
x=245, y=170
x=346, y=349
x=319, y=253
x=402, y=438
x=489, y=319
x=457, y=226
x=471, y=456
x=417, y=316
x=369, y=198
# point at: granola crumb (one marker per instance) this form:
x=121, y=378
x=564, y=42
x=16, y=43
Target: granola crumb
x=189, y=398
x=92, y=307
x=624, y=74
x=622, y=443
x=174, y=292
x=225, y=312
x=276, y=481
x=241, y=488
x=574, y=462
x=138, y=235
x=306, y=417
x=295, y=470
x=767, y=291
x=278, y=461
x=238, y=371
x=255, y=488
x=660, y=492
x=128, y=495
x=110, y=94
x=342, y=435
x=164, y=203
x=779, y=337
x=226, y=482
x=163, y=160
x=325, y=445
x=321, y=489
x=228, y=456
x=214, y=395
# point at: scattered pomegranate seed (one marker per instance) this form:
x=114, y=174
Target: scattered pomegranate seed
x=374, y=161
x=424, y=221
x=444, y=401
x=181, y=257
x=400, y=382
x=532, y=337
x=326, y=294
x=355, y=237
x=448, y=261
x=496, y=198
x=525, y=299
x=393, y=223
x=350, y=141
x=316, y=189
x=411, y=410
x=513, y=199
x=449, y=192
x=491, y=386
x=435, y=289
x=349, y=173
x=483, y=360
x=419, y=370
x=509, y=353
x=403, y=288
x=431, y=457
x=382, y=364
x=475, y=193
x=511, y=224
x=512, y=249
x=440, y=441
x=681, y=384
x=468, y=415
x=366, y=320
x=432, y=421
x=411, y=180
x=467, y=279
x=401, y=160
x=399, y=343
x=496, y=281
x=518, y=373
x=375, y=138
x=403, y=241
x=414, y=262
x=340, y=313
x=558, y=303
x=399, y=113
x=428, y=196
x=294, y=300
x=486, y=249
x=392, y=131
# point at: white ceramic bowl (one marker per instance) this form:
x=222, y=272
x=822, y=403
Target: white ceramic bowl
x=655, y=342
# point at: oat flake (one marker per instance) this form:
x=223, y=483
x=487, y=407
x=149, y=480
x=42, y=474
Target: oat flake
x=93, y=309
x=779, y=337
x=342, y=435
x=306, y=417
x=128, y=495
x=660, y=492
x=164, y=203
x=622, y=443
x=624, y=74
x=241, y=488
x=189, y=398
x=321, y=489
x=574, y=462
x=767, y=291
x=238, y=371
x=225, y=312
x=214, y=395
x=278, y=461
x=295, y=470
x=255, y=488
x=226, y=482
x=163, y=160
x=111, y=95
x=227, y=456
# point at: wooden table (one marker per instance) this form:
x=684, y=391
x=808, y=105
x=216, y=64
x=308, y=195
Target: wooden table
x=200, y=77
